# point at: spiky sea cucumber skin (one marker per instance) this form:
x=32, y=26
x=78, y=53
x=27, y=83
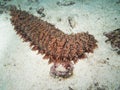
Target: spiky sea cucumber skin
x=57, y=46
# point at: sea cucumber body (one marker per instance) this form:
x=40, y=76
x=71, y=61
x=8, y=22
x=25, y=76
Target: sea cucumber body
x=57, y=46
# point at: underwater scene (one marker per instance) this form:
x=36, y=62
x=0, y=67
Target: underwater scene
x=59, y=44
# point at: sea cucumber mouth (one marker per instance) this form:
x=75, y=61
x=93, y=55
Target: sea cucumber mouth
x=60, y=70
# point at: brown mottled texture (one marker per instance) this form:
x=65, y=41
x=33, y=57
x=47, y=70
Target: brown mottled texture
x=114, y=39
x=57, y=46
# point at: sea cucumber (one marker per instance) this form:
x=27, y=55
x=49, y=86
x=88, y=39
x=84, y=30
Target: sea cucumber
x=57, y=46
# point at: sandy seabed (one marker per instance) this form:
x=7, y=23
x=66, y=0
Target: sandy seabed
x=22, y=69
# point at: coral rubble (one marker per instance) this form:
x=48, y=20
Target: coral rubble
x=72, y=22
x=65, y=3
x=114, y=39
x=57, y=46
x=40, y=12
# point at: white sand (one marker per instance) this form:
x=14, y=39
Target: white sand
x=23, y=69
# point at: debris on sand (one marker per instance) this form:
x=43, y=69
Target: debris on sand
x=114, y=39
x=65, y=3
